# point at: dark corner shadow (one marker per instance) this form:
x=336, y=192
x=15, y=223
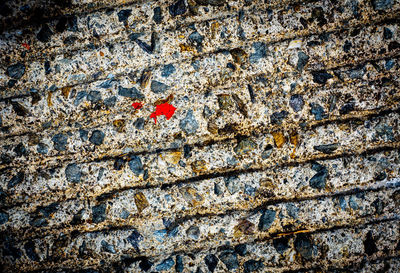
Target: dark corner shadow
x=22, y=13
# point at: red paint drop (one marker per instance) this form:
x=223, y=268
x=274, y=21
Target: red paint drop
x=137, y=105
x=165, y=109
x=26, y=46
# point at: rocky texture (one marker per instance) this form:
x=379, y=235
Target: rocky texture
x=280, y=153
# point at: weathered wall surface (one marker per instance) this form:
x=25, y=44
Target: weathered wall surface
x=282, y=155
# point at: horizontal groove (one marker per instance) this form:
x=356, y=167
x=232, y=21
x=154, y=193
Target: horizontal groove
x=25, y=232
x=211, y=53
x=265, y=238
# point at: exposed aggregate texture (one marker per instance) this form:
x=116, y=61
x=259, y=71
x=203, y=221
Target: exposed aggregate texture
x=200, y=136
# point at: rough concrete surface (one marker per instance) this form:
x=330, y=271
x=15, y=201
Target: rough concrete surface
x=199, y=136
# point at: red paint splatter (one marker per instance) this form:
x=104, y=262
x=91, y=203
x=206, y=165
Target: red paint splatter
x=26, y=46
x=165, y=109
x=137, y=105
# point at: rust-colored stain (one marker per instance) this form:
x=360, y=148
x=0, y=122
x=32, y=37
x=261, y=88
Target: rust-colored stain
x=28, y=47
x=279, y=139
x=165, y=109
x=65, y=91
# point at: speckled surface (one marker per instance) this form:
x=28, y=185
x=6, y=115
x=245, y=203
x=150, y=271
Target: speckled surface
x=282, y=155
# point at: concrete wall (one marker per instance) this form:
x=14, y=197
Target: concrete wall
x=281, y=153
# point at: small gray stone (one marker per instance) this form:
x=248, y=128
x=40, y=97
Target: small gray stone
x=292, y=210
x=229, y=258
x=16, y=179
x=3, y=218
x=94, y=96
x=168, y=70
x=16, y=71
x=136, y=166
x=296, y=102
x=60, y=142
x=98, y=213
x=260, y=51
x=252, y=265
x=302, y=60
x=382, y=4
x=106, y=247
x=130, y=93
x=318, y=181
x=303, y=246
x=266, y=219
x=189, y=124
x=110, y=102
x=79, y=97
x=193, y=232
x=211, y=261
x=139, y=123
x=83, y=134
x=97, y=137
x=327, y=148
x=158, y=87
x=232, y=184
x=73, y=173
x=124, y=14
x=42, y=148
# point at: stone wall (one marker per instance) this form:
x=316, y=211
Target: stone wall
x=199, y=136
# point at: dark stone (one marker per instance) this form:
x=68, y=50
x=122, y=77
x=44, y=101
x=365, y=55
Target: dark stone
x=16, y=179
x=318, y=111
x=107, y=83
x=296, y=102
x=178, y=8
x=47, y=69
x=168, y=70
x=134, y=239
x=387, y=33
x=124, y=14
x=10, y=250
x=211, y=261
x=19, y=109
x=99, y=213
x=20, y=150
x=303, y=246
x=60, y=142
x=179, y=264
x=389, y=64
x=197, y=39
x=281, y=244
x=211, y=2
x=187, y=151
x=260, y=51
x=266, y=219
x=3, y=218
x=318, y=181
x=229, y=258
x=136, y=166
x=139, y=123
x=292, y=210
x=167, y=264
x=327, y=148
x=393, y=45
x=382, y=4
x=77, y=218
x=369, y=244
x=94, y=96
x=157, y=16
x=119, y=163
x=97, y=137
x=347, y=108
x=378, y=205
x=147, y=48
x=30, y=251
x=347, y=45
x=189, y=124
x=278, y=117
x=321, y=77
x=11, y=83
x=302, y=60
x=218, y=189
x=110, y=102
x=16, y=71
x=83, y=134
x=158, y=87
x=47, y=211
x=45, y=33
x=73, y=173
x=241, y=249
x=252, y=265
x=106, y=247
x=130, y=93
x=79, y=97
x=39, y=222
x=145, y=264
